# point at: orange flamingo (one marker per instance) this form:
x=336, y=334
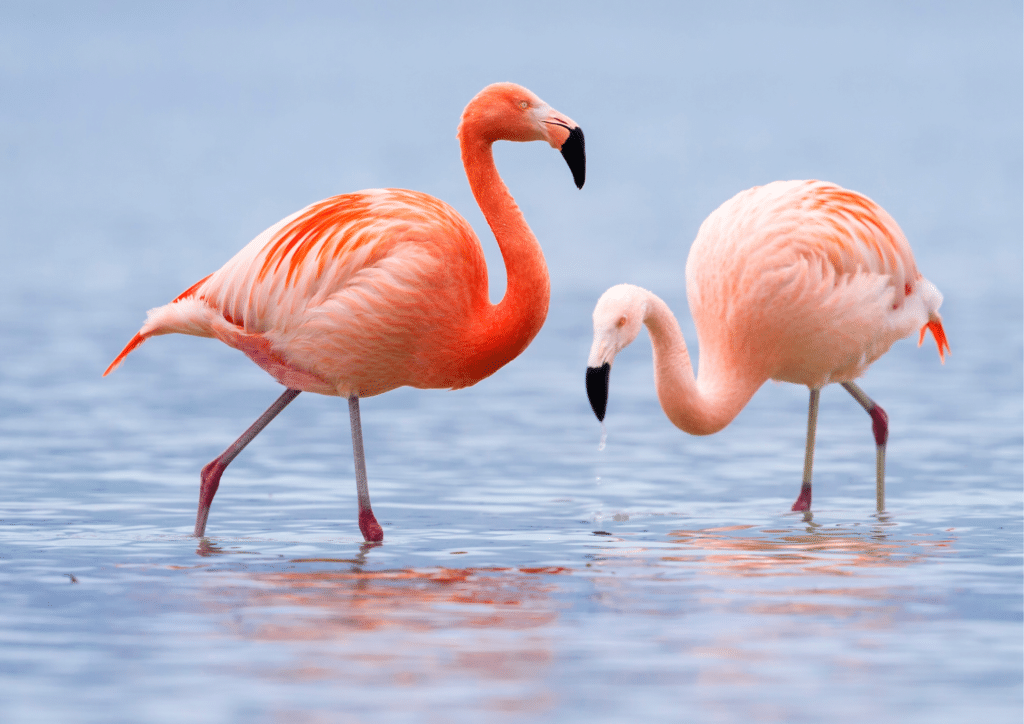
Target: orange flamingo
x=795, y=281
x=365, y=292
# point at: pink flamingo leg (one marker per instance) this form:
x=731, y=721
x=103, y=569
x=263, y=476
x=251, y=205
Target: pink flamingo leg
x=210, y=476
x=803, y=501
x=880, y=426
x=372, y=532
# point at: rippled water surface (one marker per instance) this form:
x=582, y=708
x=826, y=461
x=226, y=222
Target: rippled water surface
x=525, y=575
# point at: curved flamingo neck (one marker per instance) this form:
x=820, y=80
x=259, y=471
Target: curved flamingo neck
x=701, y=404
x=505, y=329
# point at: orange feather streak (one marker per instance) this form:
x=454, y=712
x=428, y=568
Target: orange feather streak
x=940, y=338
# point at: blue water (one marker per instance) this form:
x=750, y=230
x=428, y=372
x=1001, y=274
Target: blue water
x=525, y=575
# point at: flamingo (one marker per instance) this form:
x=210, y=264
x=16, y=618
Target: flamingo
x=794, y=281
x=361, y=293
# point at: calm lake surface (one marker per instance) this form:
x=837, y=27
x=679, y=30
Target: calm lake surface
x=525, y=575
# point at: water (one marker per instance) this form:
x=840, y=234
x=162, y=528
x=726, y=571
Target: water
x=525, y=575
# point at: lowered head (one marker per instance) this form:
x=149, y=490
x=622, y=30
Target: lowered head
x=618, y=316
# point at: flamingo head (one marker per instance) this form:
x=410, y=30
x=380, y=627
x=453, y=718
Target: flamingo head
x=509, y=112
x=618, y=316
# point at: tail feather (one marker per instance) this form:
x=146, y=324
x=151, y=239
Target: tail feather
x=935, y=325
x=185, y=315
x=135, y=342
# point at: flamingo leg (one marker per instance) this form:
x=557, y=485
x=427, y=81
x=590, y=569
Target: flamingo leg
x=803, y=501
x=880, y=426
x=210, y=476
x=372, y=532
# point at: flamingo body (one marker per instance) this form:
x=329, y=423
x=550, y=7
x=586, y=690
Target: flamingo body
x=365, y=292
x=795, y=281
x=803, y=282
x=357, y=294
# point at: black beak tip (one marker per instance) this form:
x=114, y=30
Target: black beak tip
x=597, y=388
x=574, y=151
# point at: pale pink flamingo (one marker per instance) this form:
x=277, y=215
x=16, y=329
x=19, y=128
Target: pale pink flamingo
x=365, y=292
x=795, y=281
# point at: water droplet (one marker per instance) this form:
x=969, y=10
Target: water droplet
x=604, y=437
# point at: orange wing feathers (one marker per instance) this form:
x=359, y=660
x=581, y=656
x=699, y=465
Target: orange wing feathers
x=303, y=287
x=857, y=220
x=935, y=325
x=132, y=344
x=332, y=225
x=316, y=253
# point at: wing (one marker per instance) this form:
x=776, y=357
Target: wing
x=815, y=281
x=302, y=261
x=352, y=259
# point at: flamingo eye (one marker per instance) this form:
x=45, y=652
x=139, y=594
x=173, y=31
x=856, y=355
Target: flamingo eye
x=524, y=104
x=621, y=322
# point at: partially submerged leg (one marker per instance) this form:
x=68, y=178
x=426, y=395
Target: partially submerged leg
x=372, y=532
x=803, y=501
x=880, y=426
x=210, y=477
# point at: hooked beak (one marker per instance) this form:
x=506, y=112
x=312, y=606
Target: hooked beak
x=597, y=388
x=574, y=151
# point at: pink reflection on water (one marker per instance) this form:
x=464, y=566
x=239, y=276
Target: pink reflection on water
x=401, y=628
x=812, y=552
x=417, y=599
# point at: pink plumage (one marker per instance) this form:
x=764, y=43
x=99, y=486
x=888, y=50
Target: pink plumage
x=365, y=292
x=795, y=281
x=803, y=282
